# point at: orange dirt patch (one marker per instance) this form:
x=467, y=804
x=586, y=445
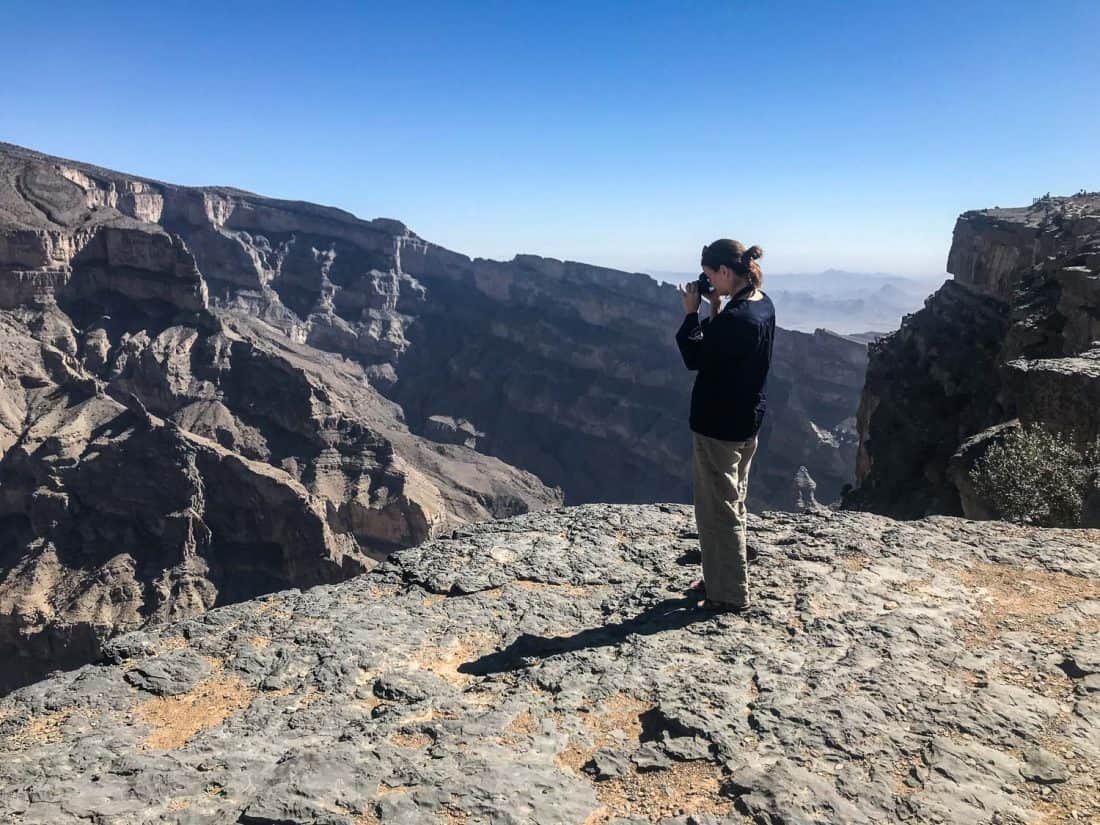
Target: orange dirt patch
x=1020, y=598
x=902, y=771
x=1062, y=811
x=855, y=563
x=1052, y=684
x=685, y=788
x=360, y=818
x=412, y=741
x=620, y=712
x=39, y=730
x=386, y=790
x=915, y=586
x=260, y=642
x=1075, y=802
x=175, y=720
x=523, y=725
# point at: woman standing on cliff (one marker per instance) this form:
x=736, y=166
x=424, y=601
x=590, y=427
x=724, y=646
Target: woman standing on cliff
x=732, y=351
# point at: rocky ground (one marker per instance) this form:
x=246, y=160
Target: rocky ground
x=547, y=668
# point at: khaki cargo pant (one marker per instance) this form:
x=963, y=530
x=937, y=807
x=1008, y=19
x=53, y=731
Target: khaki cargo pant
x=721, y=485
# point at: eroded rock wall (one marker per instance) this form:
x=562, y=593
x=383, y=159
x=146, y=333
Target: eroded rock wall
x=160, y=454
x=569, y=371
x=566, y=370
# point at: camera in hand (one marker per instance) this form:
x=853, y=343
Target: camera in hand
x=705, y=286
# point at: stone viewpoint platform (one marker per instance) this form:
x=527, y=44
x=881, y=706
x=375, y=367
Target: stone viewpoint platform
x=547, y=668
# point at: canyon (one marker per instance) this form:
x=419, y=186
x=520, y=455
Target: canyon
x=208, y=395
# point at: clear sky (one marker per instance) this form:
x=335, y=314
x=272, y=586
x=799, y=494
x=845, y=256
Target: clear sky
x=834, y=134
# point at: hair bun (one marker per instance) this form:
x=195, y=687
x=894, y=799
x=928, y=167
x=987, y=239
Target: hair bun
x=752, y=253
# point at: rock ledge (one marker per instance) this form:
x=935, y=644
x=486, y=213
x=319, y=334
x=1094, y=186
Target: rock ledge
x=547, y=669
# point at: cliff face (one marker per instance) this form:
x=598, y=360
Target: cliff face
x=569, y=371
x=564, y=369
x=159, y=454
x=1014, y=338
x=548, y=669
x=209, y=394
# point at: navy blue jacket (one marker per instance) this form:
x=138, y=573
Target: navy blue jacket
x=732, y=353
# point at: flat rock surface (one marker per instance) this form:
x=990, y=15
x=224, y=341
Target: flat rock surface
x=548, y=669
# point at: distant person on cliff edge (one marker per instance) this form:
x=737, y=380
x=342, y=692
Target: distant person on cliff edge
x=732, y=351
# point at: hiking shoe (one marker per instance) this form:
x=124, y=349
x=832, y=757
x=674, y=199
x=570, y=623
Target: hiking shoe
x=721, y=607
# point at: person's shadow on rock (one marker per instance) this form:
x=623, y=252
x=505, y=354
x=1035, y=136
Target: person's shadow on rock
x=670, y=614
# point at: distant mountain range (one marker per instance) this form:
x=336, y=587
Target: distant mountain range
x=845, y=302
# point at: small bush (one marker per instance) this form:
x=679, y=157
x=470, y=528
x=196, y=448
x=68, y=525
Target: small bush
x=1036, y=477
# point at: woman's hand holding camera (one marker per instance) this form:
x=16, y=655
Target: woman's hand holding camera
x=689, y=293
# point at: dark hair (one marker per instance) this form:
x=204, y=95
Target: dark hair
x=733, y=254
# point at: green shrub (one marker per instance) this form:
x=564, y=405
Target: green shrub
x=1036, y=477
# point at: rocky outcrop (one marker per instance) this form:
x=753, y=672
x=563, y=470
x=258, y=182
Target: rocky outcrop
x=1014, y=337
x=548, y=669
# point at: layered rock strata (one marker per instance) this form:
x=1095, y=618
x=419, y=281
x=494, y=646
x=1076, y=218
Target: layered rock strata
x=1013, y=339
x=548, y=669
x=563, y=369
x=160, y=455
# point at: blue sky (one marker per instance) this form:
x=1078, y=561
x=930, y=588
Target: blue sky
x=833, y=134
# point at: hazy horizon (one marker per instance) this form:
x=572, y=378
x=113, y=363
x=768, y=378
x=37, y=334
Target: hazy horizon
x=849, y=303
